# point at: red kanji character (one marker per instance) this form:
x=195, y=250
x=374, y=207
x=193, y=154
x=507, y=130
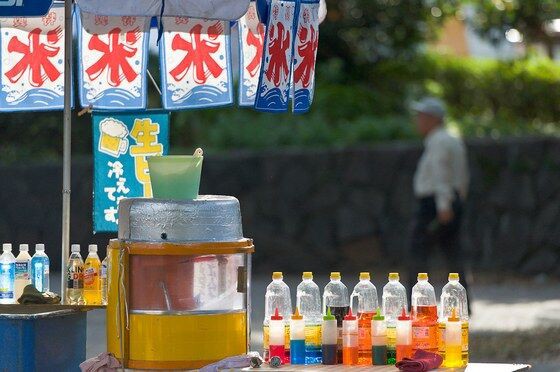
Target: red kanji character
x=128, y=21
x=101, y=20
x=307, y=51
x=199, y=54
x=181, y=20
x=255, y=39
x=277, y=48
x=36, y=57
x=49, y=19
x=115, y=56
x=20, y=22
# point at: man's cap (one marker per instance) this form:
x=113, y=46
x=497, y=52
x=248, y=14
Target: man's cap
x=431, y=106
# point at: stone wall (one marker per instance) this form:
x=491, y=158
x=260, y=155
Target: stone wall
x=324, y=209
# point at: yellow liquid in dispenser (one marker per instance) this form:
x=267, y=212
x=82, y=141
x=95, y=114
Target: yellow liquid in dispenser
x=185, y=341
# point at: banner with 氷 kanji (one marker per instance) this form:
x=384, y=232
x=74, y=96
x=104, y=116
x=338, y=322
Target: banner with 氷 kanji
x=32, y=62
x=113, y=52
x=195, y=60
x=305, y=54
x=121, y=144
x=251, y=40
x=274, y=79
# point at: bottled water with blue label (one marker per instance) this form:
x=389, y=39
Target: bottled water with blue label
x=7, y=275
x=23, y=270
x=40, y=269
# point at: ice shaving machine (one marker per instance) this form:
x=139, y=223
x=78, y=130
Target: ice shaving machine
x=179, y=283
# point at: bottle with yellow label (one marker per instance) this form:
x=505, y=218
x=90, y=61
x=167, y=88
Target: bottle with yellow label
x=92, y=279
x=308, y=298
x=454, y=298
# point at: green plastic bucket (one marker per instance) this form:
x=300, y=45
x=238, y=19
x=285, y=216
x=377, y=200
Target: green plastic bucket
x=175, y=177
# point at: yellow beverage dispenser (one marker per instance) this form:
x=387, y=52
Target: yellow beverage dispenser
x=179, y=279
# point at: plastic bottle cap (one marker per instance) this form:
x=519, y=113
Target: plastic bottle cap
x=39, y=247
x=7, y=247
x=75, y=248
x=276, y=315
x=296, y=315
x=92, y=248
x=23, y=247
x=453, y=317
x=403, y=315
x=364, y=276
x=349, y=316
x=277, y=275
x=335, y=275
x=378, y=315
x=453, y=276
x=393, y=276
x=307, y=275
x=422, y=276
x=328, y=315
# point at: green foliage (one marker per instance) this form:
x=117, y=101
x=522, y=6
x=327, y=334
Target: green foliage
x=361, y=33
x=494, y=17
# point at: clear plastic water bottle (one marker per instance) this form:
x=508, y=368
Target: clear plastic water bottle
x=23, y=270
x=393, y=301
x=454, y=296
x=75, y=278
x=40, y=269
x=363, y=303
x=277, y=297
x=92, y=277
x=7, y=275
x=308, y=301
x=335, y=298
x=104, y=282
x=424, y=315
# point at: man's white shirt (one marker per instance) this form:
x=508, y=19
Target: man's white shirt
x=442, y=169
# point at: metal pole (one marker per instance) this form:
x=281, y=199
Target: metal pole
x=67, y=149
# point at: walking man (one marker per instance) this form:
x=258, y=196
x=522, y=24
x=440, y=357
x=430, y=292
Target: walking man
x=440, y=186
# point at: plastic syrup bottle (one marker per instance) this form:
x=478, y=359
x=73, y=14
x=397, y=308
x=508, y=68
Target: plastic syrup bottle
x=424, y=315
x=104, y=281
x=350, y=340
x=329, y=339
x=308, y=301
x=7, y=275
x=393, y=301
x=454, y=296
x=379, y=339
x=363, y=302
x=277, y=297
x=75, y=277
x=335, y=298
x=40, y=269
x=297, y=338
x=404, y=336
x=23, y=270
x=453, y=348
x=277, y=336
x=92, y=279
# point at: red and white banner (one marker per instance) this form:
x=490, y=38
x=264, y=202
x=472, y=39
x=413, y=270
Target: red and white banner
x=305, y=55
x=195, y=59
x=251, y=43
x=113, y=55
x=32, y=62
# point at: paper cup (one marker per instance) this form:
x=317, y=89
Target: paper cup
x=175, y=177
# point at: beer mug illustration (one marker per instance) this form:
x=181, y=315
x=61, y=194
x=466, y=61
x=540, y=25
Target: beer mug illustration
x=113, y=139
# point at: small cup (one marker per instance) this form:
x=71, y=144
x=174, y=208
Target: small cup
x=175, y=177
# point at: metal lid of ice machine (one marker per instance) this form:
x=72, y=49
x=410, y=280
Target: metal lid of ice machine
x=209, y=218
